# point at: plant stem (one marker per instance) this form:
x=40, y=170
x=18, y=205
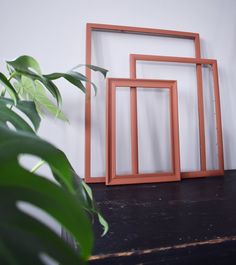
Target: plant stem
x=12, y=75
x=37, y=166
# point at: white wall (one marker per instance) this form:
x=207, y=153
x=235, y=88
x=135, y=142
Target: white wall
x=54, y=32
x=110, y=50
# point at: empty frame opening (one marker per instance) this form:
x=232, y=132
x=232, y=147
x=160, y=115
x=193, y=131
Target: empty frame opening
x=212, y=162
x=154, y=131
x=104, y=47
x=123, y=131
x=98, y=130
x=185, y=74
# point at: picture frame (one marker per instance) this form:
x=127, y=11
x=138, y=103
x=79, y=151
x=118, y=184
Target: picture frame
x=198, y=61
x=135, y=178
x=90, y=27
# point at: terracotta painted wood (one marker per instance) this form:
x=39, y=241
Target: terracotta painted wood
x=133, y=100
x=111, y=177
x=203, y=172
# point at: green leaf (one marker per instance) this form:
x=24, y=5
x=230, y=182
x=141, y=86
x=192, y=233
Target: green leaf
x=58, y=202
x=94, y=68
x=35, y=91
x=7, y=255
x=16, y=225
x=24, y=66
x=52, y=88
x=43, y=102
x=22, y=237
x=27, y=88
x=88, y=190
x=25, y=63
x=26, y=107
x=91, y=205
x=71, y=77
x=74, y=78
x=8, y=86
x=104, y=223
x=29, y=109
x=8, y=115
x=4, y=102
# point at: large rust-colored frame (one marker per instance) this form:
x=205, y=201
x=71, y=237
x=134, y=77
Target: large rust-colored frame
x=135, y=178
x=144, y=31
x=199, y=62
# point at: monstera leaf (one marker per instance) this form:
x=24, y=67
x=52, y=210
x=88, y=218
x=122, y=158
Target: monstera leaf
x=20, y=233
x=10, y=114
x=27, y=66
x=24, y=239
x=35, y=91
x=8, y=87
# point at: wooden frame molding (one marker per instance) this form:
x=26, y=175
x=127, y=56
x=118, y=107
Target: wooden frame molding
x=199, y=62
x=111, y=177
x=141, y=31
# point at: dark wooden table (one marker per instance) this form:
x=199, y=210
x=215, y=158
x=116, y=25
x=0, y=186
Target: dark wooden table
x=188, y=222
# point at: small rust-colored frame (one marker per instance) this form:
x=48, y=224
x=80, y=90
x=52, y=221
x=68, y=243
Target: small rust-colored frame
x=203, y=172
x=141, y=31
x=111, y=177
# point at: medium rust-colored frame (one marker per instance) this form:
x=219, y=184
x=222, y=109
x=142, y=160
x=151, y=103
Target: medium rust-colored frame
x=133, y=99
x=202, y=173
x=135, y=178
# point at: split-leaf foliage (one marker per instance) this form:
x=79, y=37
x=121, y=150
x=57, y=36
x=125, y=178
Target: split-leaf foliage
x=24, y=239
